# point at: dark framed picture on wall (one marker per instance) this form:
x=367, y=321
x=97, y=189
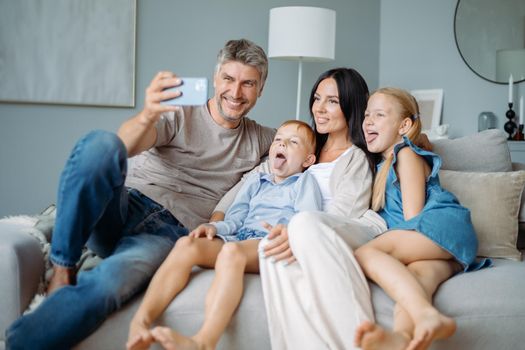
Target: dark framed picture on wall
x=72, y=52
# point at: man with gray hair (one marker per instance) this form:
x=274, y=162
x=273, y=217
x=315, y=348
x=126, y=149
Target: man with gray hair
x=187, y=159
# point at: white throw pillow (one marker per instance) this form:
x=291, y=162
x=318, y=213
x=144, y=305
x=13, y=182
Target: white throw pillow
x=494, y=201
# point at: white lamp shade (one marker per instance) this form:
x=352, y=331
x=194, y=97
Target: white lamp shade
x=298, y=32
x=510, y=62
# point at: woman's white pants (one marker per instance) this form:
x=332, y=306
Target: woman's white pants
x=318, y=301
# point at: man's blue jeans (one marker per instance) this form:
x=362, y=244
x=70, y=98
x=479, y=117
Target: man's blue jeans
x=132, y=232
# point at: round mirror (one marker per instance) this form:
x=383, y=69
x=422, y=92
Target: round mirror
x=490, y=36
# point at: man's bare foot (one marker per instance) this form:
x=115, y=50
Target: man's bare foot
x=139, y=336
x=171, y=340
x=431, y=326
x=62, y=276
x=370, y=336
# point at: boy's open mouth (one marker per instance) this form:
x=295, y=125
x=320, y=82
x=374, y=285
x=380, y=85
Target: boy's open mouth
x=279, y=160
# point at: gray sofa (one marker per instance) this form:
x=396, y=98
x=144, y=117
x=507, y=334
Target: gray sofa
x=486, y=304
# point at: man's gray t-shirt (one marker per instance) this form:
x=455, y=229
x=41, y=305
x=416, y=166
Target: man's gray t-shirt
x=195, y=162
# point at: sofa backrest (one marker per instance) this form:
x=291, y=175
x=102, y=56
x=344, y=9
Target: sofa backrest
x=486, y=151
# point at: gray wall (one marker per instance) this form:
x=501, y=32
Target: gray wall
x=407, y=43
x=418, y=51
x=35, y=140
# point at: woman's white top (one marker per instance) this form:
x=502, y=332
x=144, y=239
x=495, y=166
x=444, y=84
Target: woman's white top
x=322, y=173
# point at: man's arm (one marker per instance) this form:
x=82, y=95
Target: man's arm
x=139, y=132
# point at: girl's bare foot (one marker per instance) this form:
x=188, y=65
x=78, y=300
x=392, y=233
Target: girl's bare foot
x=370, y=336
x=62, y=276
x=171, y=340
x=431, y=326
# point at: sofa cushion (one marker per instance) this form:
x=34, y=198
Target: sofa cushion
x=485, y=151
x=494, y=201
x=247, y=329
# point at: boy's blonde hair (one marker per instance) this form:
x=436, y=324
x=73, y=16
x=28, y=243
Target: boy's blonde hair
x=306, y=130
x=408, y=108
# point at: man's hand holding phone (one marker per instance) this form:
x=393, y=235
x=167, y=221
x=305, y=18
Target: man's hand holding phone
x=193, y=92
x=157, y=92
x=167, y=92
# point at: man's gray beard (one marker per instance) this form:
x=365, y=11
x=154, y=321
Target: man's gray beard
x=227, y=117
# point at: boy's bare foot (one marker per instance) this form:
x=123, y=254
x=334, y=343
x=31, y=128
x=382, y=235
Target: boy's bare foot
x=139, y=342
x=62, y=276
x=370, y=336
x=139, y=337
x=171, y=340
x=431, y=326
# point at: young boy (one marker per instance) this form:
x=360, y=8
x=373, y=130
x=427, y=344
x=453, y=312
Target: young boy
x=230, y=246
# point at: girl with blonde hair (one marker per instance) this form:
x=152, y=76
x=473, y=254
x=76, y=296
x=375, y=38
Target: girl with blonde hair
x=430, y=235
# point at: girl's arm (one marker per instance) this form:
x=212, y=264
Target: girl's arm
x=412, y=171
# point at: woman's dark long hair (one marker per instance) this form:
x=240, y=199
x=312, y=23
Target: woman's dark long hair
x=353, y=97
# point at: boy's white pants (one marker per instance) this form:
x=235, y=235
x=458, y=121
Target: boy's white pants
x=318, y=301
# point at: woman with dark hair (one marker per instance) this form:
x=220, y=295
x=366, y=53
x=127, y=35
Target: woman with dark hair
x=353, y=96
x=316, y=295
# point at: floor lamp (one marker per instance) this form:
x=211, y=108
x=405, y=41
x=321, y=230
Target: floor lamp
x=302, y=34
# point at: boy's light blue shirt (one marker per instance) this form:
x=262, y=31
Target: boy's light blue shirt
x=260, y=199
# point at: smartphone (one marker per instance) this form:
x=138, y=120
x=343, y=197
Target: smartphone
x=194, y=92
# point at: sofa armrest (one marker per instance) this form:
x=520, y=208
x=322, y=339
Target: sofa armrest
x=21, y=265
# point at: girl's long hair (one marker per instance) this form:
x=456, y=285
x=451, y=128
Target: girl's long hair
x=408, y=108
x=353, y=96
